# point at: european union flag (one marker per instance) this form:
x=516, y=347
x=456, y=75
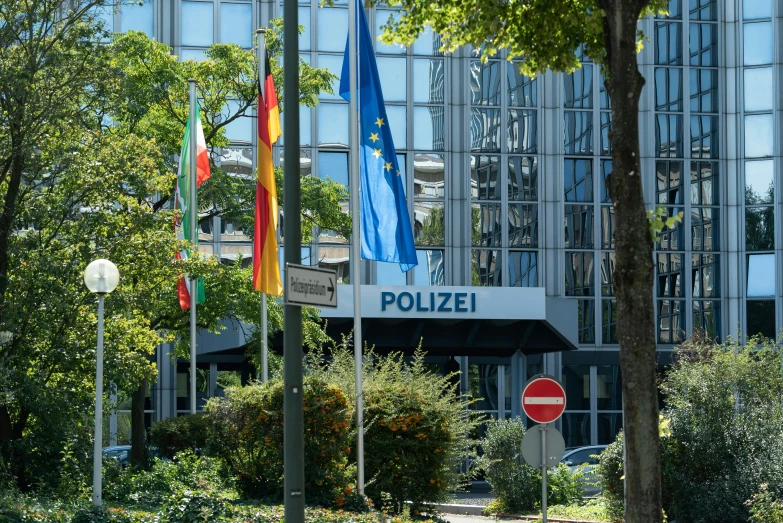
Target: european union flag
x=385, y=225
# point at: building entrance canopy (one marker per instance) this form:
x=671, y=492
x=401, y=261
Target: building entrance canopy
x=468, y=321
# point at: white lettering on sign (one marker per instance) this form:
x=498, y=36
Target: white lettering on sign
x=544, y=401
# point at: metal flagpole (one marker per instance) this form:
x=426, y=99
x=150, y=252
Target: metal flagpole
x=264, y=374
x=193, y=210
x=356, y=261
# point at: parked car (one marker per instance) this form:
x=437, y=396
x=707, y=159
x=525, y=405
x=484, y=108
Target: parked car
x=121, y=454
x=579, y=456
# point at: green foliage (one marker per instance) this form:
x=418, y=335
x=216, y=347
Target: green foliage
x=610, y=474
x=660, y=220
x=416, y=428
x=194, y=507
x=174, y=435
x=765, y=507
x=249, y=436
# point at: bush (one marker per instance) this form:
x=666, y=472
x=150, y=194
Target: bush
x=249, y=436
x=517, y=485
x=610, y=473
x=765, y=507
x=194, y=507
x=173, y=435
x=416, y=428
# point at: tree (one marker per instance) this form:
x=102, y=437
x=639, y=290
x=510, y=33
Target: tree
x=551, y=34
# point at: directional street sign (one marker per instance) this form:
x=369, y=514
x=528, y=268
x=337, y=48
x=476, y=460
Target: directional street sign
x=310, y=286
x=543, y=399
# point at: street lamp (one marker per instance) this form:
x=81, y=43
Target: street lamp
x=101, y=277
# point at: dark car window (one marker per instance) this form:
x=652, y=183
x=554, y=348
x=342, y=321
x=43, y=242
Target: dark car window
x=583, y=456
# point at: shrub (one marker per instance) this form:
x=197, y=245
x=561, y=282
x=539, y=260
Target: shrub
x=194, y=507
x=610, y=473
x=188, y=432
x=249, y=436
x=765, y=507
x=416, y=428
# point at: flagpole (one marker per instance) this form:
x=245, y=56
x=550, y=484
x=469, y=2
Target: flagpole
x=260, y=34
x=193, y=210
x=353, y=17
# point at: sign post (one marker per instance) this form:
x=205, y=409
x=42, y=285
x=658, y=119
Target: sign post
x=543, y=400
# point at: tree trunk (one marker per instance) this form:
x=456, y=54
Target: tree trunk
x=138, y=455
x=11, y=449
x=634, y=270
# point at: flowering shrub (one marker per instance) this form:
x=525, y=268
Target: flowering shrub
x=249, y=436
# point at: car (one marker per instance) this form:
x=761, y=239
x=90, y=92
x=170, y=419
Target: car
x=121, y=454
x=576, y=457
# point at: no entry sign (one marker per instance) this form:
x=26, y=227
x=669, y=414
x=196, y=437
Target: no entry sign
x=543, y=399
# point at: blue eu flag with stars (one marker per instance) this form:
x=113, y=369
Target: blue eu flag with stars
x=385, y=225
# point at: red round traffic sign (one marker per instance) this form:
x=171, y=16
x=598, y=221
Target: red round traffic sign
x=543, y=400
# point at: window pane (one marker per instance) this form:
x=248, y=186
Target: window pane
x=758, y=135
x=429, y=271
x=610, y=387
x=761, y=318
x=578, y=88
x=485, y=82
x=703, y=45
x=197, y=23
x=578, y=132
x=606, y=170
x=485, y=130
x=304, y=20
x=523, y=178
x=609, y=425
x=672, y=238
x=428, y=128
x=333, y=166
x=428, y=43
x=485, y=177
x=523, y=269
x=706, y=318
x=241, y=129
x=668, y=89
x=705, y=229
x=669, y=274
x=607, y=227
x=335, y=258
x=668, y=135
x=135, y=17
x=486, y=268
x=335, y=66
x=522, y=131
x=576, y=381
x=196, y=55
x=236, y=24
x=578, y=181
x=576, y=429
x=332, y=29
x=758, y=89
x=429, y=223
x=702, y=10
x=759, y=184
x=393, y=75
x=579, y=274
x=522, y=225
x=521, y=89
x=389, y=274
x=333, y=125
x=486, y=225
x=668, y=43
x=381, y=17
x=236, y=160
x=579, y=226
x=704, y=136
x=428, y=81
x=704, y=90
x=760, y=228
x=606, y=128
x=398, y=124
x=706, y=276
x=761, y=275
x=758, y=43
x=671, y=321
x=428, y=176
x=704, y=184
x=752, y=9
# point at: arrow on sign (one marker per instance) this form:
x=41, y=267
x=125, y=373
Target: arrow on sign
x=330, y=288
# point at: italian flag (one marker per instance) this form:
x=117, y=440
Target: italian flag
x=183, y=200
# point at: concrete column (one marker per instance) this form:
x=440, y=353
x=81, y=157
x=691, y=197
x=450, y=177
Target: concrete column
x=458, y=256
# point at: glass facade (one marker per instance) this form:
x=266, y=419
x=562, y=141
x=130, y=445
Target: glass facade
x=506, y=178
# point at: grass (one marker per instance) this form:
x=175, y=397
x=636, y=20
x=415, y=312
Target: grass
x=592, y=510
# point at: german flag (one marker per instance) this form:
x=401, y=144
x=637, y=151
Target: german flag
x=266, y=268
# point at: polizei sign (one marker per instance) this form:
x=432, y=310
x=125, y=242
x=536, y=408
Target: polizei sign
x=429, y=301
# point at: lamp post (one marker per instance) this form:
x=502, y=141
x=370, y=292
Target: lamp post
x=101, y=277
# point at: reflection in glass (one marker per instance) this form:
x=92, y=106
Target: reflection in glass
x=485, y=177
x=428, y=176
x=487, y=227
x=428, y=80
x=578, y=88
x=668, y=135
x=485, y=130
x=606, y=128
x=522, y=225
x=760, y=228
x=197, y=23
x=523, y=178
x=585, y=310
x=609, y=321
x=389, y=274
x=576, y=428
x=607, y=273
x=757, y=43
x=669, y=274
x=335, y=258
x=705, y=278
x=610, y=387
x=579, y=226
x=334, y=64
x=609, y=425
x=758, y=89
x=668, y=42
x=674, y=9
x=753, y=9
x=241, y=129
x=521, y=88
x=333, y=125
x=702, y=9
x=485, y=82
x=236, y=24
x=429, y=271
x=398, y=124
x=705, y=229
x=607, y=227
x=761, y=275
x=135, y=17
x=332, y=28
x=523, y=268
x=758, y=135
x=429, y=223
x=761, y=318
x=393, y=75
x=578, y=132
x=428, y=128
x=703, y=45
x=606, y=171
x=304, y=20
x=578, y=180
x=704, y=136
x=522, y=131
x=706, y=318
x=333, y=166
x=704, y=90
x=579, y=274
x=381, y=17
x=104, y=17
x=704, y=186
x=759, y=184
x=428, y=43
x=237, y=161
x=486, y=270
x=668, y=89
x=671, y=321
x=672, y=238
x=196, y=55
x=576, y=382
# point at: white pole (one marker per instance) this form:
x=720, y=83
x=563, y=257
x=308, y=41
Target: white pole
x=97, y=457
x=353, y=17
x=194, y=239
x=543, y=473
x=264, y=315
